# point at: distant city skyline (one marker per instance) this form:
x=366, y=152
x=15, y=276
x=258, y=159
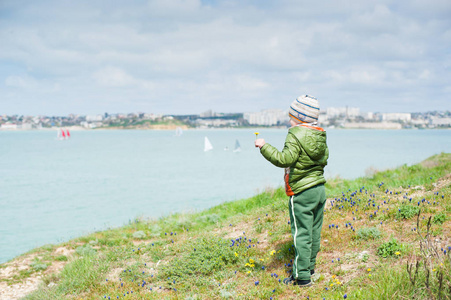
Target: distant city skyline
x=218, y=113
x=188, y=56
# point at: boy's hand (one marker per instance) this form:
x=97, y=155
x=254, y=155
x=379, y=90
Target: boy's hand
x=259, y=143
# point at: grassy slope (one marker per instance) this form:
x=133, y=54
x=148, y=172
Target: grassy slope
x=190, y=256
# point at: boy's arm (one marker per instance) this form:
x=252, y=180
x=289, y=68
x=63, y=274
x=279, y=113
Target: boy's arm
x=285, y=158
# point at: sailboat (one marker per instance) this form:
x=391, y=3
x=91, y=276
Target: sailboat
x=237, y=147
x=178, y=131
x=207, y=145
x=62, y=135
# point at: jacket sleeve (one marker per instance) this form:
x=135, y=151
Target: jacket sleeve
x=285, y=158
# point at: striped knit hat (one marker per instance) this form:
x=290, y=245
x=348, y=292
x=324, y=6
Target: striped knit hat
x=305, y=109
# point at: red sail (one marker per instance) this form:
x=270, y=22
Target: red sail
x=63, y=134
x=67, y=132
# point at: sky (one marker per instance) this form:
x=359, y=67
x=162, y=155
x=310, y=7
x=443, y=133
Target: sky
x=187, y=56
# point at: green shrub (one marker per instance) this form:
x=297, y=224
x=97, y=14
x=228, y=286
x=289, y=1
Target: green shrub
x=407, y=211
x=439, y=218
x=82, y=274
x=61, y=258
x=210, y=218
x=139, y=234
x=38, y=265
x=390, y=248
x=368, y=233
x=85, y=250
x=204, y=256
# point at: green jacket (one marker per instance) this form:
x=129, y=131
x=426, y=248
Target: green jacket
x=304, y=157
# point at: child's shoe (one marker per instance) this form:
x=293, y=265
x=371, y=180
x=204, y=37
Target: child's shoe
x=293, y=281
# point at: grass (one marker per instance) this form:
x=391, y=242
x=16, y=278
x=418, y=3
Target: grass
x=384, y=237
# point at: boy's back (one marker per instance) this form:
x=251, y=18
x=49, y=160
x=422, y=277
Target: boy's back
x=304, y=156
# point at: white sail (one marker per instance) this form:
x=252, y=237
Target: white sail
x=237, y=146
x=178, y=131
x=207, y=145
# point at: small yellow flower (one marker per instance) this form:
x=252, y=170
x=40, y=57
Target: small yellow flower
x=433, y=270
x=252, y=265
x=262, y=259
x=369, y=270
x=369, y=275
x=251, y=260
x=397, y=253
x=248, y=272
x=247, y=265
x=331, y=284
x=333, y=276
x=272, y=252
x=236, y=254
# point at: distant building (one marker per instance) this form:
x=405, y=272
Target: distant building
x=27, y=126
x=94, y=118
x=9, y=126
x=207, y=114
x=152, y=117
x=368, y=116
x=440, y=121
x=215, y=123
x=404, y=117
x=372, y=125
x=343, y=112
x=267, y=117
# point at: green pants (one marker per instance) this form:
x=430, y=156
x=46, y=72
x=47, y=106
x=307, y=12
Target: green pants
x=306, y=219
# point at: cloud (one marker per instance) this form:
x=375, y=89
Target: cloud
x=113, y=77
x=20, y=82
x=229, y=55
x=118, y=78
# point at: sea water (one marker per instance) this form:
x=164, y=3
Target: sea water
x=53, y=190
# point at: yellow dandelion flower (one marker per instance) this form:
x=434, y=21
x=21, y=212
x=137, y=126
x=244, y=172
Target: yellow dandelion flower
x=248, y=272
x=369, y=269
x=247, y=265
x=369, y=275
x=252, y=265
x=333, y=276
x=397, y=253
x=251, y=260
x=272, y=252
x=262, y=259
x=331, y=284
x=236, y=254
x=433, y=270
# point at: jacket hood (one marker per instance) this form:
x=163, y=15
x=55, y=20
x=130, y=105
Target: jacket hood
x=313, y=141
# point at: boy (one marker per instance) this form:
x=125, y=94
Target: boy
x=304, y=157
